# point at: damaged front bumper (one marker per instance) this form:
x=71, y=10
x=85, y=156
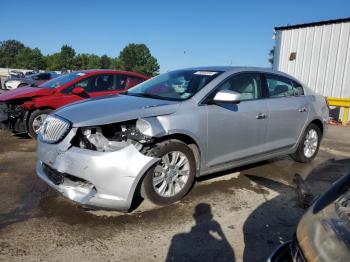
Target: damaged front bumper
x=106, y=180
x=13, y=117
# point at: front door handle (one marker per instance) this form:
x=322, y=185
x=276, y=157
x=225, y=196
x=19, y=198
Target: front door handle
x=302, y=109
x=261, y=116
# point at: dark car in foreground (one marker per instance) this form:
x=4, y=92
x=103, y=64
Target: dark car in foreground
x=24, y=109
x=323, y=234
x=29, y=80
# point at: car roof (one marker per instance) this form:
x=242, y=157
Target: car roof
x=110, y=71
x=234, y=69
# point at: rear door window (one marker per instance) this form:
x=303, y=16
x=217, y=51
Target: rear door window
x=279, y=86
x=126, y=82
x=101, y=83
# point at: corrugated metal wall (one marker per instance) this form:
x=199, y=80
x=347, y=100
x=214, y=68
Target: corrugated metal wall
x=322, y=57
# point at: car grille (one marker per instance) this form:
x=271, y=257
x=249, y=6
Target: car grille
x=296, y=252
x=56, y=177
x=54, y=129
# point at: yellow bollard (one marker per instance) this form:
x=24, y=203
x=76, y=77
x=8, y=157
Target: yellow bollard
x=345, y=116
x=341, y=102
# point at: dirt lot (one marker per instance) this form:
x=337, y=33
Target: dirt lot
x=238, y=215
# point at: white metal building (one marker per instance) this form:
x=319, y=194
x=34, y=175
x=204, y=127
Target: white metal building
x=316, y=53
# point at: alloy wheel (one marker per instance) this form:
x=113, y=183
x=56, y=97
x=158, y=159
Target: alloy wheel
x=310, y=143
x=171, y=174
x=38, y=121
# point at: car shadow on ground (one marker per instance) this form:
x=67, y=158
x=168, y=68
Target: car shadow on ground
x=205, y=242
x=138, y=199
x=22, y=136
x=275, y=221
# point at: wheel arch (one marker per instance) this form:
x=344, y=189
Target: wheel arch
x=33, y=110
x=319, y=124
x=177, y=136
x=189, y=141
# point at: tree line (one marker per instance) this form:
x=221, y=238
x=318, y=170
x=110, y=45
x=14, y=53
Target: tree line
x=134, y=57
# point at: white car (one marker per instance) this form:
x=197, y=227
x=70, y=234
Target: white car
x=35, y=79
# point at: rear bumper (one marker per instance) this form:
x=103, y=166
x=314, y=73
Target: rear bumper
x=104, y=180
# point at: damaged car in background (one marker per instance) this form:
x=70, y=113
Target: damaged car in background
x=23, y=110
x=323, y=234
x=29, y=80
x=156, y=138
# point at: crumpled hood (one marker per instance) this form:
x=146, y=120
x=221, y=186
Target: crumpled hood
x=114, y=109
x=24, y=92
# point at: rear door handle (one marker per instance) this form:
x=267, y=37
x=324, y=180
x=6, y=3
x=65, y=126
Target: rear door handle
x=261, y=116
x=302, y=109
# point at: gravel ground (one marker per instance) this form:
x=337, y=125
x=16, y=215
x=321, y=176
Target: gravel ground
x=239, y=215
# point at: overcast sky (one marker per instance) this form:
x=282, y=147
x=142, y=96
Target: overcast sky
x=179, y=33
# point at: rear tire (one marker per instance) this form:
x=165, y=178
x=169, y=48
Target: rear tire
x=170, y=179
x=309, y=144
x=36, y=118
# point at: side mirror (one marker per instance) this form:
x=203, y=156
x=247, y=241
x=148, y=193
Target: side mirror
x=227, y=96
x=78, y=90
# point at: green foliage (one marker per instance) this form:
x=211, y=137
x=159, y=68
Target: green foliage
x=81, y=61
x=134, y=57
x=67, y=56
x=138, y=58
x=94, y=62
x=30, y=58
x=106, y=62
x=54, y=62
x=9, y=50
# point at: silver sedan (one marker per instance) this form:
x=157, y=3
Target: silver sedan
x=159, y=136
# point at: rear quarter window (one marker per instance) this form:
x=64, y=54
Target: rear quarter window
x=279, y=86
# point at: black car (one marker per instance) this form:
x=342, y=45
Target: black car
x=323, y=233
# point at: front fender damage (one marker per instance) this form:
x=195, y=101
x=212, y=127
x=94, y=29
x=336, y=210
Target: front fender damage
x=97, y=166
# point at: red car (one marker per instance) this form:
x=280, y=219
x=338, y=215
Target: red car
x=24, y=109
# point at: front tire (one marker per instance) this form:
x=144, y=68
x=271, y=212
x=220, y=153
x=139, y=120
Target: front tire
x=35, y=120
x=171, y=178
x=309, y=144
x=22, y=85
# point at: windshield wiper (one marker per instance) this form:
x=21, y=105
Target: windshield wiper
x=144, y=95
x=150, y=96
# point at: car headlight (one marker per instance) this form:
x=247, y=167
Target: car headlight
x=12, y=83
x=142, y=125
x=54, y=129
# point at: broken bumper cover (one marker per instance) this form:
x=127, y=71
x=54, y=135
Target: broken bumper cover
x=105, y=180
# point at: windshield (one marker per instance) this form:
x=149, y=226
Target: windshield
x=61, y=80
x=175, y=85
